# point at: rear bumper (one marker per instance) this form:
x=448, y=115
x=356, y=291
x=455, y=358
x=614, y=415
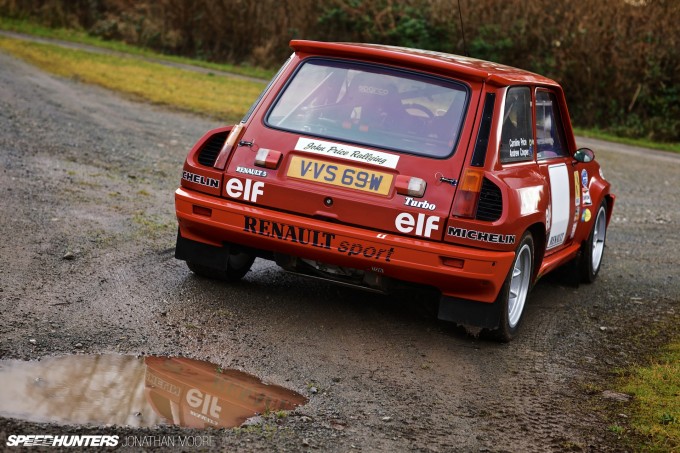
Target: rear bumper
x=413, y=260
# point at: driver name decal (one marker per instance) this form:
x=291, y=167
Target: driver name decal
x=348, y=152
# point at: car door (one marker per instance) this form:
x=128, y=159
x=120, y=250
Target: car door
x=555, y=164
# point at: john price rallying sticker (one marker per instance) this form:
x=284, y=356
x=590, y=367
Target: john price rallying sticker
x=367, y=156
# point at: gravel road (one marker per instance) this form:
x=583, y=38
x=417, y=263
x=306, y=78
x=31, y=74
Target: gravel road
x=88, y=229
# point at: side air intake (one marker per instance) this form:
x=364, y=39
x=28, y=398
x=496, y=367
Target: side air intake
x=490, y=205
x=211, y=148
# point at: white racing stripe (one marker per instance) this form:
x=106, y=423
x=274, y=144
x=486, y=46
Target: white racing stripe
x=559, y=201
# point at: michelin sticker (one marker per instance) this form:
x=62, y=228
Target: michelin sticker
x=200, y=179
x=482, y=236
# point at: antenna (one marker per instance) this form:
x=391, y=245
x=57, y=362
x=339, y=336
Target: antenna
x=462, y=30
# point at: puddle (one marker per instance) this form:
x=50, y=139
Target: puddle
x=125, y=390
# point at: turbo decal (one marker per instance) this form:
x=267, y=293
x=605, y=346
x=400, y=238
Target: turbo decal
x=251, y=171
x=313, y=238
x=423, y=204
x=200, y=179
x=482, y=236
x=348, y=152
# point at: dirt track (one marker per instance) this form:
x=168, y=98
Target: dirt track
x=86, y=196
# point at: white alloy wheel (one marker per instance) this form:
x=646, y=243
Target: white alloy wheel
x=519, y=284
x=593, y=248
x=512, y=298
x=599, y=234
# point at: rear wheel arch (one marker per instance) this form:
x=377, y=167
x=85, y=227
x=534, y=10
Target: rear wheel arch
x=538, y=232
x=593, y=248
x=609, y=199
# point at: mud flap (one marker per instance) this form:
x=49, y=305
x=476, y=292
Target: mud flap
x=200, y=253
x=469, y=313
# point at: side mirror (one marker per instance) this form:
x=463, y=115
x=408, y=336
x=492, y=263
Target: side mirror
x=584, y=155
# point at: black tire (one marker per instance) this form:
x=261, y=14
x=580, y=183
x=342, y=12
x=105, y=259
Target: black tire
x=238, y=266
x=515, y=291
x=593, y=249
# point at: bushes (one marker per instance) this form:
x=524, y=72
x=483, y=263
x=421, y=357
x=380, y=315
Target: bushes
x=617, y=59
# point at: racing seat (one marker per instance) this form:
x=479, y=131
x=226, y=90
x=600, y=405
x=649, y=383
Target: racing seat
x=373, y=103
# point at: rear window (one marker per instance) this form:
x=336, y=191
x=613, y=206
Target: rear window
x=372, y=105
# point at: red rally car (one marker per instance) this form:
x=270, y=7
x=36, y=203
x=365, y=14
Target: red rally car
x=375, y=166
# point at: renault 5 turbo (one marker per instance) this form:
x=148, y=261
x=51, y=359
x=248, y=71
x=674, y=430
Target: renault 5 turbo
x=377, y=166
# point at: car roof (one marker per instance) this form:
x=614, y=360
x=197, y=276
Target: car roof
x=481, y=70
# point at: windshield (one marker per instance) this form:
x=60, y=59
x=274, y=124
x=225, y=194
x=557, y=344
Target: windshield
x=372, y=105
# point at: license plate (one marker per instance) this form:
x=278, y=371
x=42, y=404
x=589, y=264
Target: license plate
x=340, y=175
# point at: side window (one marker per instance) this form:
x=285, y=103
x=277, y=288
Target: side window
x=549, y=129
x=517, y=144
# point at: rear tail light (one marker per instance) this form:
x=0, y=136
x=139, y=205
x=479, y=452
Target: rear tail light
x=267, y=158
x=467, y=196
x=232, y=139
x=411, y=186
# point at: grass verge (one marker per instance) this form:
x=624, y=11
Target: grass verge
x=221, y=97
x=78, y=36
x=641, y=142
x=656, y=404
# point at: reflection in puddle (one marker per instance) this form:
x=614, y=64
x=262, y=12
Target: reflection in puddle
x=124, y=390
